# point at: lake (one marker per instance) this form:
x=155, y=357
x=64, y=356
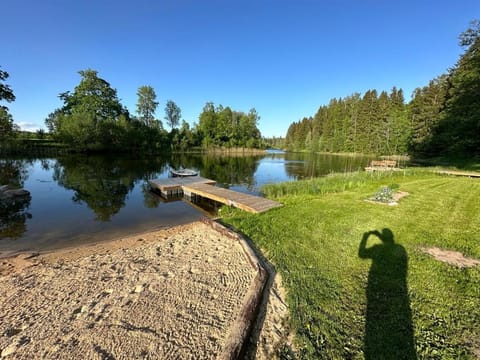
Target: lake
x=79, y=199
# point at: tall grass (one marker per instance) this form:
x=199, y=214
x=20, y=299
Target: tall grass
x=335, y=183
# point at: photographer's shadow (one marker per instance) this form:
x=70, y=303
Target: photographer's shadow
x=388, y=328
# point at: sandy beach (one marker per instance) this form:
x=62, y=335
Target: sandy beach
x=178, y=293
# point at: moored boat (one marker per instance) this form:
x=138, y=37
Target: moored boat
x=183, y=172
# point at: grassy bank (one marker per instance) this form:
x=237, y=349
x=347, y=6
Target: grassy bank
x=31, y=147
x=359, y=285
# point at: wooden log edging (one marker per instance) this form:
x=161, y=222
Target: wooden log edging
x=243, y=326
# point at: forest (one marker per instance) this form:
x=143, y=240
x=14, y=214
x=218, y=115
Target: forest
x=442, y=118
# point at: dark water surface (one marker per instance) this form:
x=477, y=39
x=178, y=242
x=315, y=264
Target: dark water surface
x=85, y=199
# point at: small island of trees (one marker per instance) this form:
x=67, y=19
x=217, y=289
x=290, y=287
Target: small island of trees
x=92, y=119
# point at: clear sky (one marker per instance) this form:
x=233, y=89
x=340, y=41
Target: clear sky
x=284, y=58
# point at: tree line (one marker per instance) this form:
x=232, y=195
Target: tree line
x=92, y=118
x=442, y=119
x=369, y=124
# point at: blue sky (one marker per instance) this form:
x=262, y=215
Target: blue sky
x=284, y=58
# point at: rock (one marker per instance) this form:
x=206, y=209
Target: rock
x=138, y=289
x=8, y=193
x=17, y=192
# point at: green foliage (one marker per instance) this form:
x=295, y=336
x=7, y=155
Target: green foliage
x=429, y=308
x=146, y=104
x=184, y=139
x=103, y=183
x=93, y=119
x=227, y=128
x=6, y=123
x=458, y=131
x=443, y=118
x=93, y=96
x=173, y=114
x=384, y=195
x=6, y=92
x=446, y=113
x=13, y=211
x=368, y=124
x=425, y=111
x=274, y=142
x=91, y=116
x=331, y=183
x=6, y=119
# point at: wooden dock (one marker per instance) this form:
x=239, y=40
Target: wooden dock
x=250, y=203
x=173, y=186
x=471, y=174
x=198, y=186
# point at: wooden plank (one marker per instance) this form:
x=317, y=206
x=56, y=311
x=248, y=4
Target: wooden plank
x=246, y=202
x=459, y=173
x=168, y=184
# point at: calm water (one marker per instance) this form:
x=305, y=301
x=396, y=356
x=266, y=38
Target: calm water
x=80, y=199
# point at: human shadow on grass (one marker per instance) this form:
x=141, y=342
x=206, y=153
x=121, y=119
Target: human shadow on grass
x=388, y=328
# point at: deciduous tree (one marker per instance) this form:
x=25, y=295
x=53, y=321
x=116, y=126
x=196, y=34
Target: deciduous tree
x=172, y=114
x=146, y=104
x=89, y=118
x=6, y=93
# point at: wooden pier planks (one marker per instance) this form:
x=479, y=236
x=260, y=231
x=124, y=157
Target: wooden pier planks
x=246, y=202
x=173, y=186
x=197, y=185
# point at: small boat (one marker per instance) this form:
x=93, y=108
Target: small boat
x=183, y=172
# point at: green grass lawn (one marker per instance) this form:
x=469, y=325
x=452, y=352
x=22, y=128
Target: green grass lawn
x=358, y=284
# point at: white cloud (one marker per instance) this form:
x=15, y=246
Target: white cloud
x=28, y=126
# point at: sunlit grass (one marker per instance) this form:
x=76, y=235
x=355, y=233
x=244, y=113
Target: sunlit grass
x=314, y=242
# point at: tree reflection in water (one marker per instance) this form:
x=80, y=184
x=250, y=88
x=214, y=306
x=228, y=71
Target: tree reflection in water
x=103, y=183
x=14, y=210
x=307, y=165
x=226, y=170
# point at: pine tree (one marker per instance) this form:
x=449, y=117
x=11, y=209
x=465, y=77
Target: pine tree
x=425, y=112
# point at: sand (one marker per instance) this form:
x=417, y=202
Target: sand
x=170, y=294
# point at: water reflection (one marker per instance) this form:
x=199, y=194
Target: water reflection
x=306, y=165
x=226, y=170
x=14, y=172
x=13, y=210
x=13, y=216
x=66, y=191
x=103, y=183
